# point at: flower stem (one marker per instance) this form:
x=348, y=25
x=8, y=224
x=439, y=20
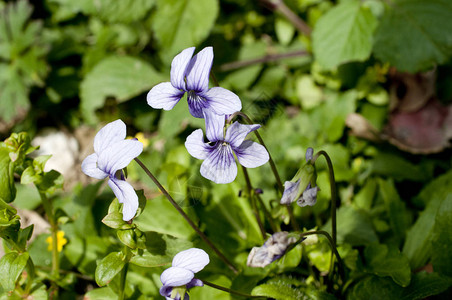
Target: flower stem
x=233, y=292
x=333, y=248
x=250, y=193
x=185, y=216
x=122, y=282
x=272, y=166
x=275, y=227
x=333, y=192
x=54, y=232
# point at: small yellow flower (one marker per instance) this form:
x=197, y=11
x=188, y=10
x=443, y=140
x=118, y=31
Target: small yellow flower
x=140, y=137
x=61, y=241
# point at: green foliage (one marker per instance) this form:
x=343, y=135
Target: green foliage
x=441, y=241
x=120, y=77
x=388, y=261
x=423, y=34
x=67, y=63
x=109, y=267
x=344, y=34
x=22, y=63
x=11, y=267
x=179, y=24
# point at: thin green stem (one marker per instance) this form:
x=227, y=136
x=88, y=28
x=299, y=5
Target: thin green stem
x=122, y=282
x=185, y=216
x=333, y=248
x=250, y=193
x=267, y=214
x=333, y=191
x=233, y=292
x=272, y=166
x=54, y=233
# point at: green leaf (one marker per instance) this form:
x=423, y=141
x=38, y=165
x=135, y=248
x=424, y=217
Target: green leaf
x=398, y=215
x=415, y=35
x=364, y=198
x=11, y=266
x=388, y=261
x=114, y=220
x=440, y=187
x=22, y=51
x=442, y=239
x=353, y=227
x=422, y=286
x=179, y=24
x=397, y=167
x=120, y=77
x=343, y=34
x=132, y=238
x=109, y=267
x=418, y=243
x=425, y=284
x=100, y=294
x=7, y=188
x=160, y=250
x=279, y=290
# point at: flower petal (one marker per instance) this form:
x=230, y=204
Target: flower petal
x=126, y=195
x=110, y=133
x=309, y=154
x=220, y=165
x=214, y=126
x=251, y=154
x=290, y=192
x=119, y=155
x=195, y=282
x=195, y=145
x=176, y=276
x=222, y=101
x=196, y=104
x=198, y=70
x=164, y=95
x=89, y=167
x=309, y=197
x=236, y=133
x=179, y=67
x=193, y=259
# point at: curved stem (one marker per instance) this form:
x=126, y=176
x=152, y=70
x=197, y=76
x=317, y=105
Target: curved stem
x=185, y=216
x=261, y=141
x=268, y=215
x=233, y=292
x=272, y=166
x=333, y=248
x=250, y=193
x=333, y=191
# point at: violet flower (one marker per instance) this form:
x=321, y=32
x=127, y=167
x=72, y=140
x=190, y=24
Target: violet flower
x=218, y=154
x=179, y=278
x=292, y=188
x=111, y=154
x=191, y=75
x=273, y=248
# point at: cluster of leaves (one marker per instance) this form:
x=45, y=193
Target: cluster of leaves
x=80, y=62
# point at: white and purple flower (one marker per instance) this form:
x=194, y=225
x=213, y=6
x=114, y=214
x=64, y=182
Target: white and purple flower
x=111, y=154
x=190, y=74
x=292, y=188
x=179, y=278
x=274, y=248
x=218, y=154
